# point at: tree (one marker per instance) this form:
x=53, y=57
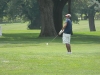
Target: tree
x=91, y=14
x=92, y=9
x=57, y=13
x=47, y=23
x=31, y=10
x=3, y=6
x=86, y=7
x=51, y=16
x=25, y=9
x=73, y=6
x=99, y=1
x=13, y=10
x=69, y=6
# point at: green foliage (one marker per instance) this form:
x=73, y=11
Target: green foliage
x=77, y=7
x=24, y=7
x=21, y=9
x=27, y=10
x=3, y=6
x=80, y=7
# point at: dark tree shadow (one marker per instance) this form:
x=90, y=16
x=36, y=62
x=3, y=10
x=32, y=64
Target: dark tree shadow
x=32, y=38
x=85, y=39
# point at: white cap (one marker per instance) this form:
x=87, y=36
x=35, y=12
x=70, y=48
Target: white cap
x=69, y=15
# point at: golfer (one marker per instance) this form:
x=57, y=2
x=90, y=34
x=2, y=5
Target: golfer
x=67, y=30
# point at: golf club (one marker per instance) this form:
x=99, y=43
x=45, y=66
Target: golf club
x=52, y=39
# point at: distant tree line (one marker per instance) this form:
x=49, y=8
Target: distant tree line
x=49, y=14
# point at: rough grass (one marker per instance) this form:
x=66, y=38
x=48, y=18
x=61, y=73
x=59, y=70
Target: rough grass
x=23, y=53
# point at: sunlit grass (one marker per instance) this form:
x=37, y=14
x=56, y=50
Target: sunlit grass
x=83, y=26
x=22, y=52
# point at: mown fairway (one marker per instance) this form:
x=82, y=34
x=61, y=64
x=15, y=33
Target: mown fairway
x=22, y=52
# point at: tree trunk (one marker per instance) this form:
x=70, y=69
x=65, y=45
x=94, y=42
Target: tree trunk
x=69, y=6
x=69, y=11
x=91, y=23
x=57, y=13
x=35, y=24
x=47, y=24
x=99, y=0
x=91, y=14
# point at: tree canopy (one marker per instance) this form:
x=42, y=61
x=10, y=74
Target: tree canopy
x=47, y=14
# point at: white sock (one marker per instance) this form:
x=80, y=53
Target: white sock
x=69, y=52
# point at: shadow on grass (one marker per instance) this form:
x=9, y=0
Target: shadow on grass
x=18, y=36
x=26, y=38
x=33, y=38
x=85, y=39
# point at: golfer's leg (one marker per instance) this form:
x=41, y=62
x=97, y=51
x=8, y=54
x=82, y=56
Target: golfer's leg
x=68, y=47
x=68, y=43
x=66, y=40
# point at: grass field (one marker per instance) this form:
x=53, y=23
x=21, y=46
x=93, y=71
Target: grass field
x=23, y=53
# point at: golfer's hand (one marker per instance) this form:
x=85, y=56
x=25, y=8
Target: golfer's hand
x=61, y=31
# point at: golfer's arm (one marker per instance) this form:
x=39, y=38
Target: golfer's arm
x=64, y=26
